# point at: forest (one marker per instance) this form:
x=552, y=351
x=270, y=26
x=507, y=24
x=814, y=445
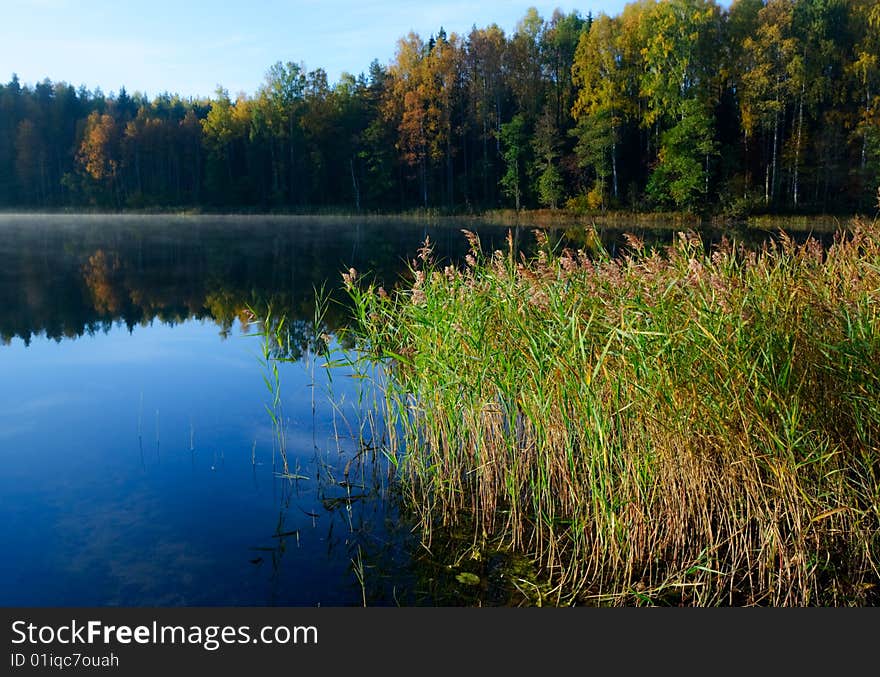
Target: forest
x=685, y=105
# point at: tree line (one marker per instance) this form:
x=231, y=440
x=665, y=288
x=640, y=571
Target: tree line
x=672, y=104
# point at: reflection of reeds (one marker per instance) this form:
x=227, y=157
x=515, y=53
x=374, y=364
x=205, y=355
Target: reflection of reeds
x=310, y=343
x=278, y=347
x=272, y=333
x=140, y=427
x=357, y=565
x=666, y=427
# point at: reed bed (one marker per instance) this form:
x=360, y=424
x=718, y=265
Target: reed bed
x=671, y=426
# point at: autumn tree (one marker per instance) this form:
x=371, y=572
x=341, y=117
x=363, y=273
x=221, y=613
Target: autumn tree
x=766, y=84
x=767, y=105
x=409, y=108
x=425, y=87
x=99, y=158
x=601, y=105
x=226, y=129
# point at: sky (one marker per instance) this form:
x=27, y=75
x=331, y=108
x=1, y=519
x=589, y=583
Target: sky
x=189, y=47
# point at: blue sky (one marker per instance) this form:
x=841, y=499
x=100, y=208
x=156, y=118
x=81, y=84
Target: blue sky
x=191, y=46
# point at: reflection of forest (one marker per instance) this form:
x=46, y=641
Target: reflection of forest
x=66, y=276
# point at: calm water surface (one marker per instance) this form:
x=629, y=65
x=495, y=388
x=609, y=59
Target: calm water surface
x=137, y=458
x=136, y=451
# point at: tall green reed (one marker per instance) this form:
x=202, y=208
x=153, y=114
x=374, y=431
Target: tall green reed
x=668, y=426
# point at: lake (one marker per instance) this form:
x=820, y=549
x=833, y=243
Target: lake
x=135, y=442
x=139, y=431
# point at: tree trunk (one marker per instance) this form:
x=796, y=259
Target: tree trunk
x=291, y=154
x=613, y=156
x=357, y=192
x=465, y=150
x=614, y=168
x=229, y=165
x=197, y=181
x=485, y=162
x=864, y=159
x=44, y=182
x=137, y=170
x=516, y=188
x=450, y=197
x=706, y=177
x=772, y=193
x=797, y=146
x=275, y=179
x=423, y=170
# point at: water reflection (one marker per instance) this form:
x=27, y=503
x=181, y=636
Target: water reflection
x=70, y=276
x=67, y=276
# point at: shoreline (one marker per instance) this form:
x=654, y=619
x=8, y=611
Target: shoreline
x=505, y=217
